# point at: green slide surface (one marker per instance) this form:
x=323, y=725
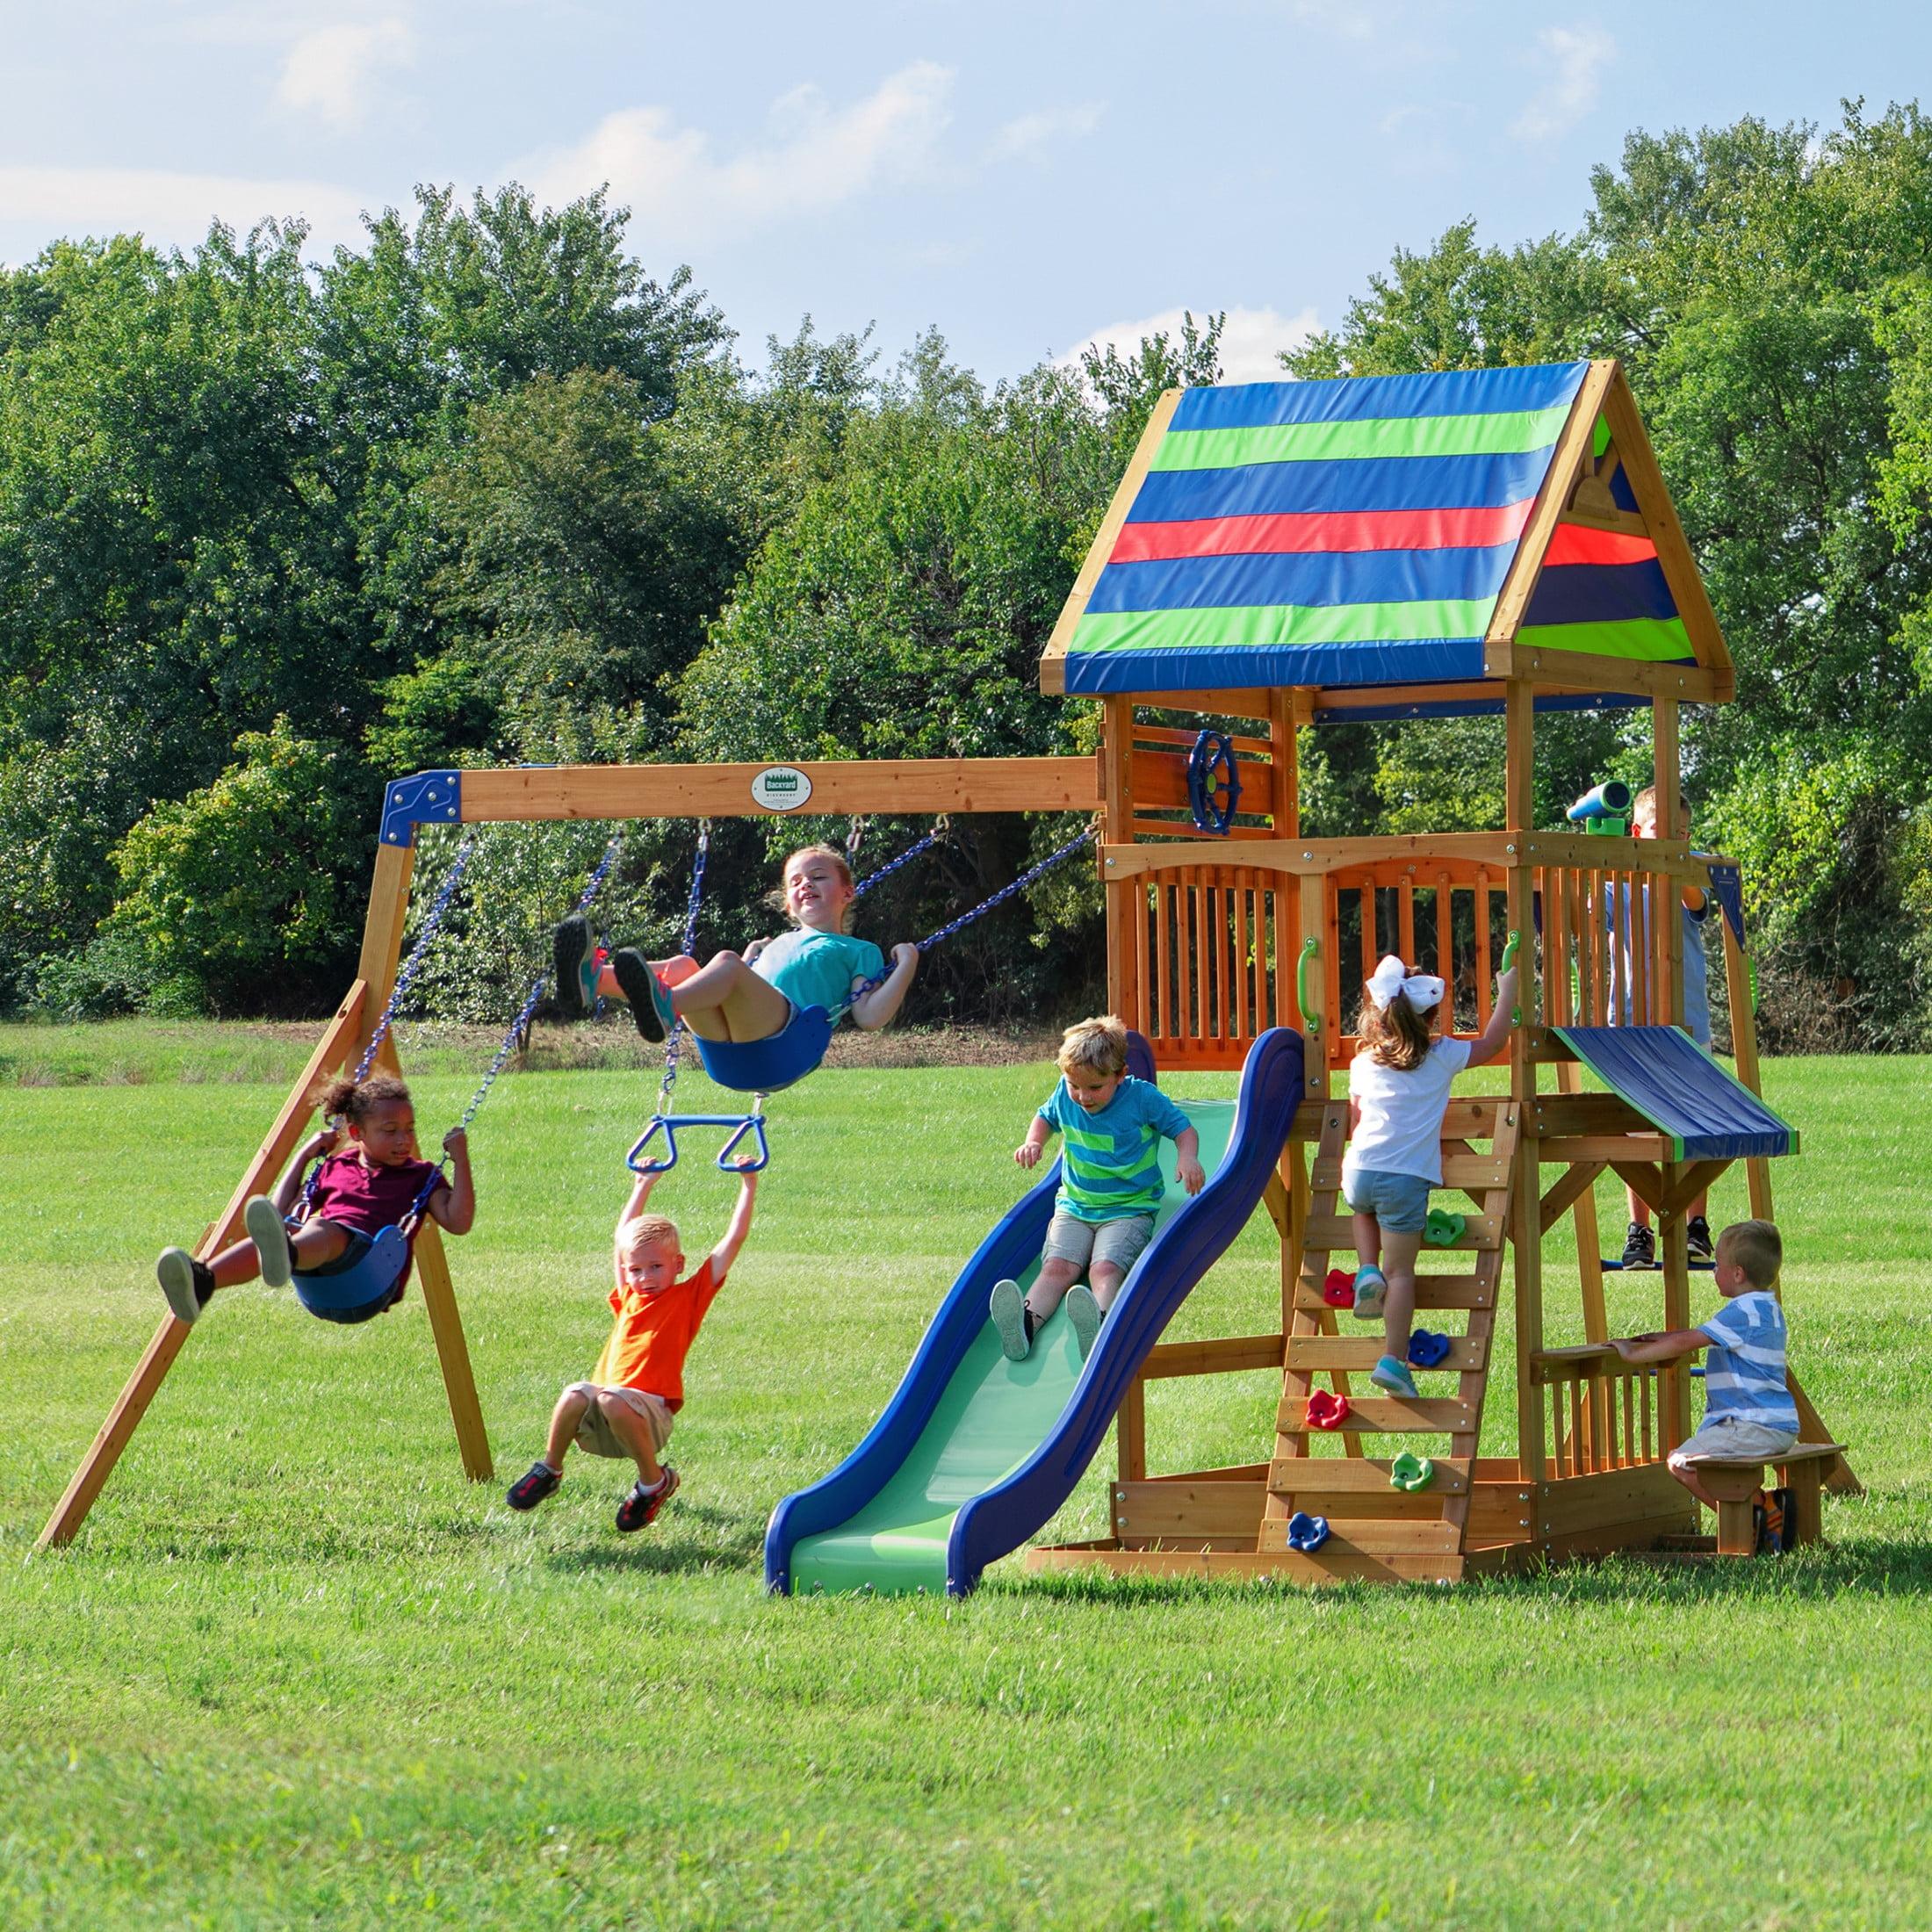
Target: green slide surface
x=991, y=1416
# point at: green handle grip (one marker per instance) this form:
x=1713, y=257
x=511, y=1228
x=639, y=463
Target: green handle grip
x=1509, y=959
x=1311, y=1018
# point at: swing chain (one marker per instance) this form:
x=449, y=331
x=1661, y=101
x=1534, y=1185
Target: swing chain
x=912, y=852
x=432, y=919
x=674, y=1038
x=986, y=906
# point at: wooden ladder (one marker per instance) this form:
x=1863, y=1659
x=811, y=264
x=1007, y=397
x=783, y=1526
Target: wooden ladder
x=1376, y=1530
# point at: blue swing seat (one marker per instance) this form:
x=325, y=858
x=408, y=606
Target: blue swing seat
x=771, y=1065
x=357, y=1291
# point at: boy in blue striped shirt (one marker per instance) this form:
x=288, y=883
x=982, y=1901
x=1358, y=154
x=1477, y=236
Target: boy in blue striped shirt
x=1749, y=1415
x=1110, y=1185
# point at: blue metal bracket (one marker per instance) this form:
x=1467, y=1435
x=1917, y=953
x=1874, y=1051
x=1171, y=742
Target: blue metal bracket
x=667, y=1125
x=426, y=798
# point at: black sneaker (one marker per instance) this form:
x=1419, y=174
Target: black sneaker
x=530, y=1488
x=1697, y=1238
x=571, y=951
x=1780, y=1521
x=186, y=1281
x=1640, y=1247
x=641, y=987
x=638, y=1510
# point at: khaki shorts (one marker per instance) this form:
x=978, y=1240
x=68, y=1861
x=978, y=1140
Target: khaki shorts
x=1083, y=1242
x=594, y=1433
x=1724, y=1438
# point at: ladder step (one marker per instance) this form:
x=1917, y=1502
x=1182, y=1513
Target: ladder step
x=1387, y=1415
x=1363, y=1352
x=1433, y=1291
x=1372, y=1535
x=1326, y=1233
x=1332, y=1475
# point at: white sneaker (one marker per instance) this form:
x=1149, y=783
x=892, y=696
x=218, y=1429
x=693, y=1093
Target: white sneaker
x=1086, y=1314
x=1008, y=1310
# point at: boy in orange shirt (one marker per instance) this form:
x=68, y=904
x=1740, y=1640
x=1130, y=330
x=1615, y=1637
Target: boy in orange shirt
x=637, y=1385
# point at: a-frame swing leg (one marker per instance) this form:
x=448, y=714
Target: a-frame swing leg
x=382, y=949
x=337, y=1043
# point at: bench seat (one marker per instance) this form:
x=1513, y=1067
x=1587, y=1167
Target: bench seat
x=1801, y=1470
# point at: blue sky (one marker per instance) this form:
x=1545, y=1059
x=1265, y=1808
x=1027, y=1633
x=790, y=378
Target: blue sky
x=1025, y=176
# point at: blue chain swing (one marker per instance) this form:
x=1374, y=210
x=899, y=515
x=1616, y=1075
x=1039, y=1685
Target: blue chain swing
x=364, y=1288
x=764, y=1067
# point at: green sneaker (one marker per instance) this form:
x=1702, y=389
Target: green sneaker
x=1371, y=1290
x=577, y=968
x=269, y=1232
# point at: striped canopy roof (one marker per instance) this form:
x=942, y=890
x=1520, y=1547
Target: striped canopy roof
x=1358, y=532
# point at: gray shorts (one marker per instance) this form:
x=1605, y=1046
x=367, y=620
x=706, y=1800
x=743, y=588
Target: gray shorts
x=1399, y=1202
x=1084, y=1243
x=1727, y=1439
x=594, y=1433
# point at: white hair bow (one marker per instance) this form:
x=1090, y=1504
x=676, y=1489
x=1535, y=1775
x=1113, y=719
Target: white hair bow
x=1422, y=990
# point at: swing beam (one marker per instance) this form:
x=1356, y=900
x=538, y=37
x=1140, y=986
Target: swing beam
x=911, y=787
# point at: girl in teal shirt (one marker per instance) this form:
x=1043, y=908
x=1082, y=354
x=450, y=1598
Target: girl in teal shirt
x=753, y=996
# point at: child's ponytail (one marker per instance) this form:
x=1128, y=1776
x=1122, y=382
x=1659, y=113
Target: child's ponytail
x=351, y=1100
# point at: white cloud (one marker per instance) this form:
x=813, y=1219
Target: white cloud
x=816, y=157
x=337, y=72
x=1020, y=139
x=166, y=206
x=1574, y=59
x=1250, y=344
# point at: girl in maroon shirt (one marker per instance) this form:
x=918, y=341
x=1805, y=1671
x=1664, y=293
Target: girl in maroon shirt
x=360, y=1189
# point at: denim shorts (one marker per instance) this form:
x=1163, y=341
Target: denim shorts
x=1083, y=1242
x=1399, y=1202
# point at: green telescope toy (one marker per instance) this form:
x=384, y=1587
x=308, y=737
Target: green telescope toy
x=1606, y=810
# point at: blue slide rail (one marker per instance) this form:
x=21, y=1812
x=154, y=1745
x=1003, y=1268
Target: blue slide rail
x=1002, y=1517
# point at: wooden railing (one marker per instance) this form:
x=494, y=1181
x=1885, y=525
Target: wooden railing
x=1206, y=948
x=1600, y=1414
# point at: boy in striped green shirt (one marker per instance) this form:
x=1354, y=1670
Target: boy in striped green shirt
x=1110, y=1183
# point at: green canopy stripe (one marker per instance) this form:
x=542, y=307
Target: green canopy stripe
x=1513, y=432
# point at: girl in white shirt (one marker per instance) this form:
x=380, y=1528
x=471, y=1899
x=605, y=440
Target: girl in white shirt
x=1398, y=1092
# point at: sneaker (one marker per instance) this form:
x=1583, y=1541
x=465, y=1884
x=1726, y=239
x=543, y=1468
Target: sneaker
x=1013, y=1318
x=530, y=1488
x=1697, y=1239
x=650, y=1004
x=186, y=1281
x=1779, y=1533
x=639, y=1509
x=270, y=1234
x=576, y=963
x=1085, y=1313
x=1640, y=1247
x=1371, y=1290
x=1394, y=1377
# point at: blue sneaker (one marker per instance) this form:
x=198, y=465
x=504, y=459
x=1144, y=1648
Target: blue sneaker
x=576, y=964
x=1371, y=1289
x=1394, y=1377
x=650, y=1003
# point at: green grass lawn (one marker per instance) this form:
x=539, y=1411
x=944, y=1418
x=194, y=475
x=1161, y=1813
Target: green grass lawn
x=297, y=1671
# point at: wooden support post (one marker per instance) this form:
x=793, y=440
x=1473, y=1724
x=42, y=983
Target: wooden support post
x=1126, y=920
x=1667, y=915
x=1525, y=1232
x=1676, y=1306
x=338, y=1042
x=382, y=950
x=1737, y=982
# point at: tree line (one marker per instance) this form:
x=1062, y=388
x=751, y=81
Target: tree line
x=484, y=490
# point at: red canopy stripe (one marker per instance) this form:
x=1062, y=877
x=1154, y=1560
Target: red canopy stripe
x=1314, y=531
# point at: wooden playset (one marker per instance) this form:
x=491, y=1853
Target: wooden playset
x=1410, y=547
x=1278, y=557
